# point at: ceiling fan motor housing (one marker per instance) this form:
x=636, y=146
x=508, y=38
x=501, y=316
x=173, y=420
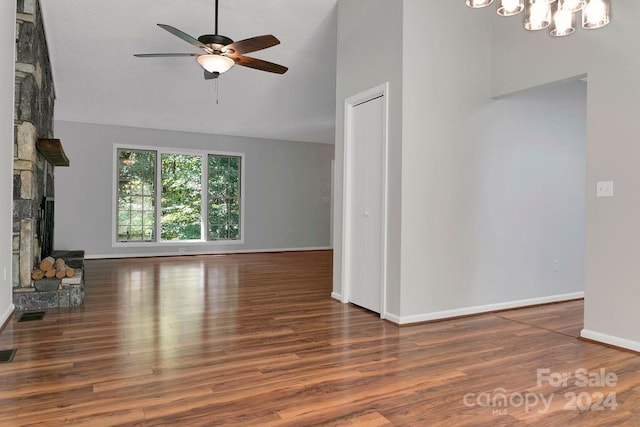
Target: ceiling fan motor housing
x=215, y=41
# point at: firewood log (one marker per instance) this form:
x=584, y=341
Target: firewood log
x=47, y=263
x=50, y=274
x=61, y=273
x=37, y=274
x=70, y=272
x=59, y=264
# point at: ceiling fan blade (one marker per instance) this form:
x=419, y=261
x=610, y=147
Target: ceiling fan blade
x=163, y=55
x=253, y=44
x=210, y=76
x=186, y=37
x=259, y=64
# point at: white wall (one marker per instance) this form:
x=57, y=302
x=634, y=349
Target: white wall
x=287, y=189
x=369, y=54
x=446, y=77
x=524, y=172
x=493, y=190
x=7, y=81
x=609, y=56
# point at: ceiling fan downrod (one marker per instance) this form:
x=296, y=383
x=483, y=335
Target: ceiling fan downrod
x=216, y=41
x=216, y=17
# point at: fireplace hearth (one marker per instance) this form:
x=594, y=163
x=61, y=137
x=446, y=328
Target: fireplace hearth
x=66, y=292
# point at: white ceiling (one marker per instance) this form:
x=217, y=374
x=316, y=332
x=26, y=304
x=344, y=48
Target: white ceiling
x=98, y=80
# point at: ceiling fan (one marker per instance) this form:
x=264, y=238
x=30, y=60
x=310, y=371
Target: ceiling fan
x=221, y=52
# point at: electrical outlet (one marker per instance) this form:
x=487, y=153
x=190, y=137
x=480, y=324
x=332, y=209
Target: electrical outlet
x=604, y=189
x=556, y=265
x=181, y=250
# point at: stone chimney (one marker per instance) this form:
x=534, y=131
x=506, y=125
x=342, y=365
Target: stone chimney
x=32, y=173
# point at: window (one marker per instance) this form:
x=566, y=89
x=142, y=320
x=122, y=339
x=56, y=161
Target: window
x=177, y=196
x=181, y=197
x=136, y=195
x=224, y=197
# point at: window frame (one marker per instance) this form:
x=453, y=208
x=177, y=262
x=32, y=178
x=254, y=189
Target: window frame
x=204, y=154
x=239, y=197
x=142, y=195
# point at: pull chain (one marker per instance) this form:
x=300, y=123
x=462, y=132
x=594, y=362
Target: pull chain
x=217, y=92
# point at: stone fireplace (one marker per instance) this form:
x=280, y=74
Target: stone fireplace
x=36, y=154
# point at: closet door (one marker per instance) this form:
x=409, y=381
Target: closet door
x=366, y=193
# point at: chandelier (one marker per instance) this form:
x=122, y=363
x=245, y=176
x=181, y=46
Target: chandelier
x=559, y=15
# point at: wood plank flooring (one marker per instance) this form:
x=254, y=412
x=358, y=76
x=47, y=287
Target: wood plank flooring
x=255, y=339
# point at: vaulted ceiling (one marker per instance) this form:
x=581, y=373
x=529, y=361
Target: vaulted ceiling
x=98, y=80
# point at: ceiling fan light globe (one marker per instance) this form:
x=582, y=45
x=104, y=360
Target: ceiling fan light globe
x=215, y=63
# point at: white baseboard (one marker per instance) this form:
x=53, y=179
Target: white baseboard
x=386, y=315
x=210, y=252
x=392, y=317
x=610, y=339
x=6, y=314
x=466, y=311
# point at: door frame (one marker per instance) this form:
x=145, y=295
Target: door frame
x=381, y=91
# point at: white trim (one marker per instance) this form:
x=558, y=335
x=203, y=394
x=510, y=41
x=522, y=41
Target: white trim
x=331, y=201
x=172, y=150
x=8, y=134
x=466, y=311
x=6, y=314
x=181, y=243
x=337, y=296
x=223, y=252
x=392, y=318
x=157, y=179
x=610, y=339
x=349, y=103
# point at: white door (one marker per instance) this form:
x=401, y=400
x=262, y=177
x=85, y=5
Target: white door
x=366, y=201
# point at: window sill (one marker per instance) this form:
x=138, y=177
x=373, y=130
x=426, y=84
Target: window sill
x=177, y=243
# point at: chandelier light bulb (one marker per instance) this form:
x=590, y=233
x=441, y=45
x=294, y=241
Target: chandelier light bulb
x=596, y=14
x=571, y=5
x=537, y=15
x=563, y=22
x=540, y=14
x=478, y=3
x=510, y=7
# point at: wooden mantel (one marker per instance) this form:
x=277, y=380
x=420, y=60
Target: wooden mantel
x=52, y=150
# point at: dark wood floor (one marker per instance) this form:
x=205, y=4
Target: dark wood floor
x=255, y=339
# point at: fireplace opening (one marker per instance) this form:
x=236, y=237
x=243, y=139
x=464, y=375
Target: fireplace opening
x=46, y=226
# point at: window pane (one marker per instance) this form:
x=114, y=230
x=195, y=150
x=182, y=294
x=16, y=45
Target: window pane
x=136, y=178
x=181, y=197
x=224, y=197
x=234, y=232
